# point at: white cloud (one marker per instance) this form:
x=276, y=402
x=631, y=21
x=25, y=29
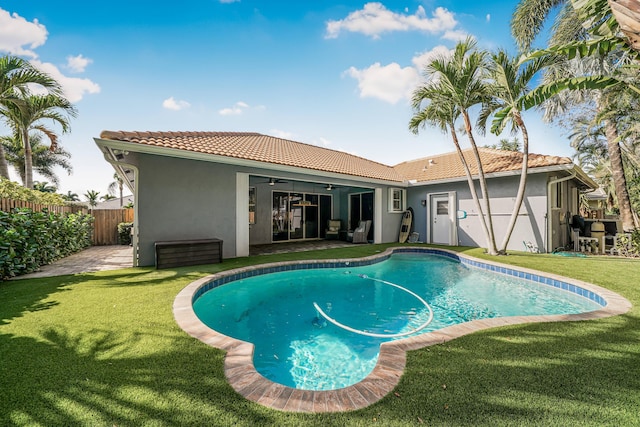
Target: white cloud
x=19, y=36
x=175, y=105
x=390, y=83
x=74, y=88
x=374, y=19
x=323, y=142
x=239, y=108
x=320, y=142
x=236, y=110
x=283, y=134
x=422, y=59
x=77, y=64
x=455, y=35
x=488, y=17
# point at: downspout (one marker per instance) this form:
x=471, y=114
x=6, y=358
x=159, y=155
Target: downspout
x=549, y=218
x=134, y=239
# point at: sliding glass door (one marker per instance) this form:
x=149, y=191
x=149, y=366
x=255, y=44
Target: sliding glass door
x=361, y=209
x=296, y=215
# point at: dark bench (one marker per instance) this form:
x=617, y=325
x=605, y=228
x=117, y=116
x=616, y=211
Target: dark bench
x=178, y=253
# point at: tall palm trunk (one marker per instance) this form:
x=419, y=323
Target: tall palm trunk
x=491, y=239
x=4, y=166
x=472, y=187
x=28, y=160
x=627, y=13
x=523, y=181
x=617, y=173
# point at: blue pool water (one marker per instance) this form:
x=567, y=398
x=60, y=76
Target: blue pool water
x=297, y=347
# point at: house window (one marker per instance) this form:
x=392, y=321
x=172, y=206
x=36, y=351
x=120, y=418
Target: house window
x=252, y=205
x=558, y=196
x=397, y=197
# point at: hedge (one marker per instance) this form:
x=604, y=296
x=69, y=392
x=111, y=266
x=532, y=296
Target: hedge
x=31, y=239
x=124, y=233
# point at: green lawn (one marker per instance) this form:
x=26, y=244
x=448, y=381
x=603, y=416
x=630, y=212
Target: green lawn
x=102, y=349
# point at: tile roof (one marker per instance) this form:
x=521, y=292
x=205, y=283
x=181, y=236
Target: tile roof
x=261, y=148
x=269, y=149
x=449, y=166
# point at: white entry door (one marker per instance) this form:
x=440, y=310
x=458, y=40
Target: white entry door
x=440, y=220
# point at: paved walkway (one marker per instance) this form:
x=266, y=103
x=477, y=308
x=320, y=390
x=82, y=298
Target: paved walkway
x=95, y=258
x=99, y=258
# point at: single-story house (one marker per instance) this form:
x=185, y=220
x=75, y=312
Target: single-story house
x=116, y=203
x=248, y=189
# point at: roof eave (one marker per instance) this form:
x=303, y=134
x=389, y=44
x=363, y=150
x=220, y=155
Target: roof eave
x=213, y=158
x=580, y=175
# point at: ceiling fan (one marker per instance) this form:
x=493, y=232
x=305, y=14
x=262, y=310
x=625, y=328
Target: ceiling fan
x=274, y=181
x=330, y=187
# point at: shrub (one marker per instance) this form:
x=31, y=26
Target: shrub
x=629, y=247
x=124, y=233
x=12, y=190
x=30, y=239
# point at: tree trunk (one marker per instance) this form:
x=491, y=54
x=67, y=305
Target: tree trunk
x=523, y=182
x=28, y=160
x=627, y=13
x=617, y=173
x=4, y=166
x=492, y=248
x=472, y=187
x=120, y=185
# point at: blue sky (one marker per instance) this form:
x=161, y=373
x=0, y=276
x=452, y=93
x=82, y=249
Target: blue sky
x=337, y=74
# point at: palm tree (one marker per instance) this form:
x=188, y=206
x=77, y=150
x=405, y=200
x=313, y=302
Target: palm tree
x=119, y=183
x=574, y=19
x=510, y=82
x=44, y=160
x=15, y=76
x=44, y=187
x=606, y=49
x=441, y=113
x=459, y=79
x=603, y=100
x=29, y=114
x=108, y=197
x=627, y=13
x=92, y=197
x=71, y=197
x=506, y=144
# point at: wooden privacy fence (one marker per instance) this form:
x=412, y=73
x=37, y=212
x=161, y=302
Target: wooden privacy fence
x=105, y=230
x=6, y=205
x=105, y=227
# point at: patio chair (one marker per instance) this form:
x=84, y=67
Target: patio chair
x=360, y=233
x=333, y=229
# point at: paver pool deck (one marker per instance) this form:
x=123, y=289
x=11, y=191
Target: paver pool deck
x=94, y=258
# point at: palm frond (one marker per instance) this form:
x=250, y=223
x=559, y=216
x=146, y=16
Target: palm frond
x=529, y=19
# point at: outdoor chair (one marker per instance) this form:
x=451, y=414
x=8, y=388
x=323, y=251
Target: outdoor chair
x=360, y=234
x=333, y=229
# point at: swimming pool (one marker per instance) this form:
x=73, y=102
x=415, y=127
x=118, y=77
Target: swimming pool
x=296, y=344
x=295, y=336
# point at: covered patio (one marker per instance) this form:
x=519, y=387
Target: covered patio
x=302, y=246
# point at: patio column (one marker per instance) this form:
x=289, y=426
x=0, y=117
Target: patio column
x=377, y=215
x=242, y=214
